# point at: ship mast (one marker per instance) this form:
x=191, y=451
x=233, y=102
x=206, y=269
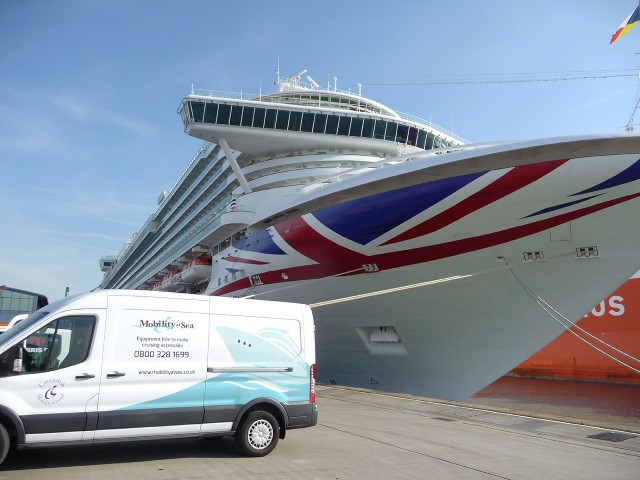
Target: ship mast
x=629, y=126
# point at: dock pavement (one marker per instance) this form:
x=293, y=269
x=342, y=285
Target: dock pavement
x=366, y=435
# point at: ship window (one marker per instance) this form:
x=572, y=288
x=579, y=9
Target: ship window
x=422, y=139
x=307, y=122
x=367, y=128
x=247, y=117
x=210, y=113
x=332, y=124
x=403, y=133
x=356, y=127
x=198, y=111
x=258, y=117
x=282, y=120
x=343, y=125
x=413, y=136
x=294, y=121
x=270, y=119
x=390, y=133
x=224, y=111
x=430, y=138
x=236, y=115
x=379, y=130
x=318, y=125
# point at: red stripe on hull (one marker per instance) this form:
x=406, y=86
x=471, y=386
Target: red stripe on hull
x=334, y=259
x=510, y=182
x=244, y=260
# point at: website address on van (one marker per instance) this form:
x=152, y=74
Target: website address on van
x=166, y=372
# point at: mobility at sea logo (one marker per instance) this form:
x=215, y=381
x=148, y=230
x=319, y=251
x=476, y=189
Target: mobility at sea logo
x=165, y=325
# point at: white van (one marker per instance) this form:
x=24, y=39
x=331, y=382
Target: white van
x=116, y=364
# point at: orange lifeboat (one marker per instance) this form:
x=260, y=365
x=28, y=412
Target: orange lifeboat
x=169, y=283
x=196, y=271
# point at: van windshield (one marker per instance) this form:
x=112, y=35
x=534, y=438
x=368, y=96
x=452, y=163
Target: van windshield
x=6, y=339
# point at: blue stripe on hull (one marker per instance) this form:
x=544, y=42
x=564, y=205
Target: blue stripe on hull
x=354, y=220
x=627, y=175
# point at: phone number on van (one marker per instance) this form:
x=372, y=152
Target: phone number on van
x=159, y=354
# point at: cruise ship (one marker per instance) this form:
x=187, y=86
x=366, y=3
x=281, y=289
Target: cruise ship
x=433, y=266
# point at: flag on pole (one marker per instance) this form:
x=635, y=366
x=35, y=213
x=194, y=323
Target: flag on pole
x=630, y=22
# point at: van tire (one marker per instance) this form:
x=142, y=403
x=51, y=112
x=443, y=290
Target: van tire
x=258, y=434
x=5, y=443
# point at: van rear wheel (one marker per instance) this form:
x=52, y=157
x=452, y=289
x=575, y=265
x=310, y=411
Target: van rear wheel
x=4, y=443
x=258, y=434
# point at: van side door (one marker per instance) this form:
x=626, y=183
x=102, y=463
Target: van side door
x=154, y=366
x=56, y=388
x=254, y=356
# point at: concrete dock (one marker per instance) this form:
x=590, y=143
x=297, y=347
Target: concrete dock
x=365, y=435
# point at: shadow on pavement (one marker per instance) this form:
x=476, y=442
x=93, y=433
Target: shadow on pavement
x=121, y=452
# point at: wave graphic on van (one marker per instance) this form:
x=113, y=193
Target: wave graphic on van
x=269, y=345
x=235, y=388
x=281, y=339
x=257, y=385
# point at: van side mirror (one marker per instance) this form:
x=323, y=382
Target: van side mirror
x=17, y=363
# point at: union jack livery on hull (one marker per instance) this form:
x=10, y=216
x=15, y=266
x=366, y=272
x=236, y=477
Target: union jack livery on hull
x=433, y=266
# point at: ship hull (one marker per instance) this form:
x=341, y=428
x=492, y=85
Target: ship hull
x=455, y=336
x=432, y=273
x=456, y=293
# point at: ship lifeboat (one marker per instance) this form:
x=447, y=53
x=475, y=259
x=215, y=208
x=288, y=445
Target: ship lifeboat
x=196, y=271
x=169, y=283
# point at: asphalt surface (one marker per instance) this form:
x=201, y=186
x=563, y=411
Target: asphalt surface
x=363, y=434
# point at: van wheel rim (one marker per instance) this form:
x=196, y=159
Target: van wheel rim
x=260, y=434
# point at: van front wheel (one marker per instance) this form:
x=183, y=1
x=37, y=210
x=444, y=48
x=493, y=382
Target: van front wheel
x=4, y=443
x=258, y=434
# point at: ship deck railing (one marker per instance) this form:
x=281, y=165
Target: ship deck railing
x=394, y=161
x=203, y=151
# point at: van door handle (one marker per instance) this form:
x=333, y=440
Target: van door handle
x=115, y=375
x=84, y=376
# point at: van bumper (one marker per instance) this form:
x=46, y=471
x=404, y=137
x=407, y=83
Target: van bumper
x=302, y=414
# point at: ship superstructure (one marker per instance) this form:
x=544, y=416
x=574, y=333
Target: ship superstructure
x=296, y=137
x=433, y=266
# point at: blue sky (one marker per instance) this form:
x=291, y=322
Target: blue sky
x=89, y=134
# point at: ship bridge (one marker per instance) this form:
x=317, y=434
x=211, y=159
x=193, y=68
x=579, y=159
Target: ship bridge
x=305, y=121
